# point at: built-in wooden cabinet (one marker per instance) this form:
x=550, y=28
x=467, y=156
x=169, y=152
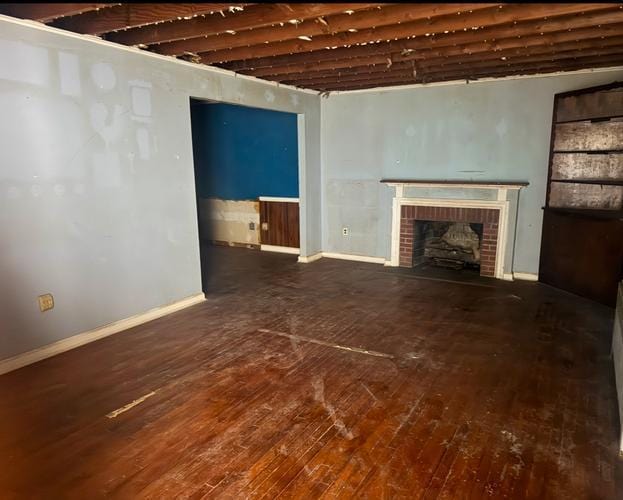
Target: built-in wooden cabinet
x=582, y=244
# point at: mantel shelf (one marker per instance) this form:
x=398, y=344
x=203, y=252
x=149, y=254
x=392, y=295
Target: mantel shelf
x=456, y=183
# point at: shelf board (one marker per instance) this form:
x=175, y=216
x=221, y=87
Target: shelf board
x=594, y=119
x=588, y=212
x=589, y=151
x=602, y=182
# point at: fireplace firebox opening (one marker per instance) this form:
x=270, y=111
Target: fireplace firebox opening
x=448, y=244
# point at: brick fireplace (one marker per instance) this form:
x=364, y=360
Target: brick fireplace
x=478, y=219
x=489, y=218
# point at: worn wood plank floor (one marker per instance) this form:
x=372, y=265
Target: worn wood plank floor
x=332, y=379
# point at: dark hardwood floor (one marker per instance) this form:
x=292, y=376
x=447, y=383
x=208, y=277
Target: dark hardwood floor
x=333, y=378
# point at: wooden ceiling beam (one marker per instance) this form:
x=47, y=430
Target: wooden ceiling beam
x=430, y=73
x=599, y=20
x=130, y=15
x=254, y=16
x=45, y=12
x=491, y=16
x=373, y=68
x=471, y=73
x=564, y=40
x=496, y=55
x=442, y=77
x=388, y=14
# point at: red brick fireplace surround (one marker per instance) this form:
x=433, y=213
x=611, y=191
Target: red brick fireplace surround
x=487, y=217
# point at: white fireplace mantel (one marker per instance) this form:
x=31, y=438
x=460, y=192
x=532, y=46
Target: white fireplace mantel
x=500, y=202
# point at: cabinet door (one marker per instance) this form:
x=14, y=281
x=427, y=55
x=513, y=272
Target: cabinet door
x=582, y=255
x=279, y=223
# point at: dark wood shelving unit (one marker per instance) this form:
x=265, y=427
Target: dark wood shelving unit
x=582, y=243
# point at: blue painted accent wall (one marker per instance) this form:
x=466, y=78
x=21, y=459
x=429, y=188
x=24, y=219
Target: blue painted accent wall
x=241, y=153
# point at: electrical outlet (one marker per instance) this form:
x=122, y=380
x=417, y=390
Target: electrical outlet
x=46, y=302
x=344, y=231
x=252, y=226
x=264, y=226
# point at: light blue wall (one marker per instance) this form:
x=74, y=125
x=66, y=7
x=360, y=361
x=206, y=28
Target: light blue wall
x=242, y=153
x=490, y=131
x=97, y=193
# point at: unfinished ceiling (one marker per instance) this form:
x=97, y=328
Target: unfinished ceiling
x=334, y=46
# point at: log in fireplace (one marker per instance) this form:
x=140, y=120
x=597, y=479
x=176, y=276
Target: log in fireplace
x=454, y=245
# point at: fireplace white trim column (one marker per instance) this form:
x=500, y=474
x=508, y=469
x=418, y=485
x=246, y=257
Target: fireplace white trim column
x=500, y=203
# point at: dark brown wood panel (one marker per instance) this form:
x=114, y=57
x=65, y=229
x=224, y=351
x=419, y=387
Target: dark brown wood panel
x=481, y=389
x=583, y=255
x=279, y=223
x=292, y=211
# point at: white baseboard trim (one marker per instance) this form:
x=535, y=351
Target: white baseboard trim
x=310, y=258
x=275, y=248
x=47, y=351
x=358, y=258
x=508, y=277
x=526, y=276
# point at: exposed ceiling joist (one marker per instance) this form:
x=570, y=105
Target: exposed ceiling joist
x=255, y=16
x=406, y=71
x=348, y=46
x=493, y=51
x=442, y=24
x=599, y=21
x=472, y=74
x=389, y=14
x=45, y=12
x=131, y=15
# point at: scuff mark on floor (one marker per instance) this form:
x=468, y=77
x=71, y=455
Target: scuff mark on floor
x=327, y=344
x=516, y=450
x=129, y=406
x=368, y=391
x=339, y=424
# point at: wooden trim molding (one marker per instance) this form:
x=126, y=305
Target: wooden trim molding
x=462, y=184
x=279, y=249
x=279, y=199
x=357, y=258
x=526, y=276
x=310, y=258
x=343, y=256
x=47, y=351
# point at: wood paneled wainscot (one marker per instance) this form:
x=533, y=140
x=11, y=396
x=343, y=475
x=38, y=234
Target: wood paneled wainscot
x=279, y=224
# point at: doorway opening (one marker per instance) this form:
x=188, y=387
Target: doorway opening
x=246, y=163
